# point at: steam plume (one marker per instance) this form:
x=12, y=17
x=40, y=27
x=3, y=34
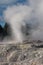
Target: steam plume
x=21, y=15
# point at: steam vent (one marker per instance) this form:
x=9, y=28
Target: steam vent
x=21, y=32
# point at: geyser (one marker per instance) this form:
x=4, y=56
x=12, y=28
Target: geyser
x=18, y=16
x=15, y=16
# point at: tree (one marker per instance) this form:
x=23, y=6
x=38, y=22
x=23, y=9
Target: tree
x=1, y=32
x=7, y=29
x=4, y=32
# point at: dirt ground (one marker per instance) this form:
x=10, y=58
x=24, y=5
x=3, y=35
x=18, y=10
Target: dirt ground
x=29, y=53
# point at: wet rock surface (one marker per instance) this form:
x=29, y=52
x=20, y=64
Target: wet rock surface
x=21, y=54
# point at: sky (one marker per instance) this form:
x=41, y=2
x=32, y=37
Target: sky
x=21, y=12
x=4, y=4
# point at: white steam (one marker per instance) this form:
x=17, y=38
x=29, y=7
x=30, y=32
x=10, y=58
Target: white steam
x=19, y=15
x=15, y=16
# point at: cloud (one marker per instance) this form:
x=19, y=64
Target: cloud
x=31, y=13
x=8, y=2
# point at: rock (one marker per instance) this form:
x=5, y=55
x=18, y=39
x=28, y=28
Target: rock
x=13, y=57
x=20, y=54
x=4, y=63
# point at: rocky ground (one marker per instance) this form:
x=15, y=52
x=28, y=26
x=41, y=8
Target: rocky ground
x=27, y=53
